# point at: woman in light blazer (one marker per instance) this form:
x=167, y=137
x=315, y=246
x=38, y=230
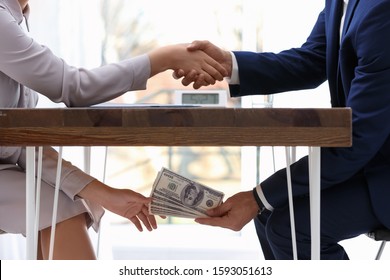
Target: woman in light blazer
x=27, y=67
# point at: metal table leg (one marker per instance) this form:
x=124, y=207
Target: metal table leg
x=31, y=250
x=315, y=200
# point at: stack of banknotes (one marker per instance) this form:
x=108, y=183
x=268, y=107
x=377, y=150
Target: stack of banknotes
x=178, y=196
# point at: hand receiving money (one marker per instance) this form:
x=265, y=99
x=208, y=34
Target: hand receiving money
x=175, y=195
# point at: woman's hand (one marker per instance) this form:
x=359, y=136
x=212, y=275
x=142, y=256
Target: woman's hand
x=124, y=202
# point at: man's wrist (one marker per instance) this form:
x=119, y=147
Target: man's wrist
x=233, y=78
x=258, y=200
x=228, y=63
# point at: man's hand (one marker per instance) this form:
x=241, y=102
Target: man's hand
x=219, y=55
x=233, y=214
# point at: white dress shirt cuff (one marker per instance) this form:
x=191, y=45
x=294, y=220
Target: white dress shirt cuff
x=234, y=78
x=260, y=193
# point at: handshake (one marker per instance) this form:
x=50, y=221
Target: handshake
x=200, y=63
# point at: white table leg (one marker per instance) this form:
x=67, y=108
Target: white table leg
x=31, y=250
x=99, y=239
x=38, y=197
x=290, y=200
x=87, y=160
x=55, y=204
x=315, y=199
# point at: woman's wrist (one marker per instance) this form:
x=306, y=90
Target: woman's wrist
x=95, y=191
x=160, y=59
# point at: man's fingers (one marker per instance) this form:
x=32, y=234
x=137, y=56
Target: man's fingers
x=206, y=78
x=223, y=222
x=215, y=222
x=217, y=215
x=215, y=70
x=220, y=210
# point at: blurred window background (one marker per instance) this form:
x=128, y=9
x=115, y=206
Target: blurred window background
x=90, y=33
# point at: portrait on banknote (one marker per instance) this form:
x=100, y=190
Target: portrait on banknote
x=191, y=195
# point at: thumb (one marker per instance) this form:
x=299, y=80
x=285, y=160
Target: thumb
x=219, y=211
x=197, y=45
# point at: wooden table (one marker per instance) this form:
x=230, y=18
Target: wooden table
x=178, y=126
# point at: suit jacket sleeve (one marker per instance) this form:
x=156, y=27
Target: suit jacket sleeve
x=298, y=68
x=365, y=74
x=72, y=181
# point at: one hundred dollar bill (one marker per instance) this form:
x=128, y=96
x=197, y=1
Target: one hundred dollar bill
x=176, y=195
x=164, y=202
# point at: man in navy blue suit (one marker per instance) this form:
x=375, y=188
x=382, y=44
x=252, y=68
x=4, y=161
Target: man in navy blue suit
x=349, y=47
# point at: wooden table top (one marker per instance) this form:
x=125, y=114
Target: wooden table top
x=176, y=126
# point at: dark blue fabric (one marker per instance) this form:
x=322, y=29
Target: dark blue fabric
x=358, y=72
x=346, y=213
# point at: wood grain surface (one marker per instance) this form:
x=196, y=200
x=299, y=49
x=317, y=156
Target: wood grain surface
x=176, y=126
